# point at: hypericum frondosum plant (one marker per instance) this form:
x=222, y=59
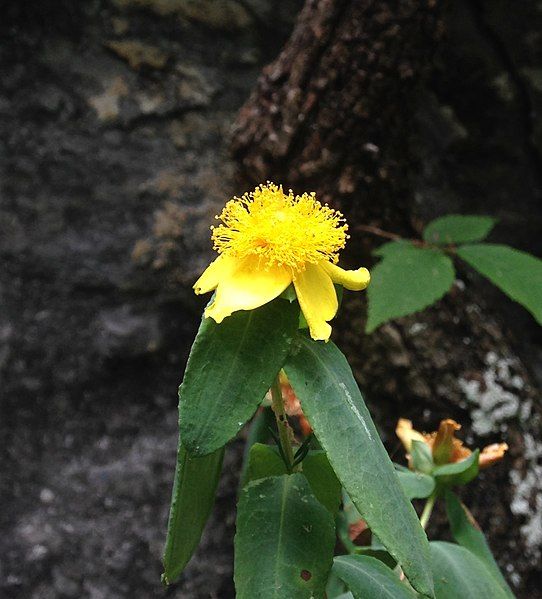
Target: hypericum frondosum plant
x=263, y=348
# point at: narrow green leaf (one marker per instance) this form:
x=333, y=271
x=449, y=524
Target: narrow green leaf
x=466, y=532
x=516, y=273
x=194, y=489
x=408, y=279
x=230, y=368
x=458, y=574
x=323, y=481
x=455, y=228
x=323, y=381
x=284, y=541
x=458, y=473
x=258, y=432
x=416, y=485
x=368, y=577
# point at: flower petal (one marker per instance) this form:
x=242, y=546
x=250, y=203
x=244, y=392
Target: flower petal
x=491, y=454
x=247, y=286
x=407, y=434
x=355, y=280
x=443, y=444
x=318, y=300
x=216, y=271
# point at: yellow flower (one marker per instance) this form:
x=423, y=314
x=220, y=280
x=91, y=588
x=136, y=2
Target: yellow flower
x=445, y=447
x=268, y=240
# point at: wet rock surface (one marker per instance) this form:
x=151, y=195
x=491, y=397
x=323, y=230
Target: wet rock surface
x=113, y=154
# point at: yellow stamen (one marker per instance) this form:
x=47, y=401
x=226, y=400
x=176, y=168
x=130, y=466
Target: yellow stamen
x=280, y=229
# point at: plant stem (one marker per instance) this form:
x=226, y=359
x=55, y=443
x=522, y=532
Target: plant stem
x=282, y=424
x=387, y=235
x=427, y=510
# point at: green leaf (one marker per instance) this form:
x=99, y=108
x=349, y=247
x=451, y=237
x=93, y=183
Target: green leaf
x=416, y=485
x=323, y=381
x=458, y=473
x=380, y=554
x=230, y=368
x=258, y=432
x=408, y=279
x=422, y=458
x=392, y=247
x=323, y=481
x=194, y=489
x=459, y=574
x=516, y=273
x=466, y=532
x=284, y=541
x=265, y=461
x=334, y=587
x=455, y=228
x=368, y=577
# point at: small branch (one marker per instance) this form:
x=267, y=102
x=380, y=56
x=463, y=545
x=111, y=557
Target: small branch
x=282, y=425
x=379, y=232
x=388, y=235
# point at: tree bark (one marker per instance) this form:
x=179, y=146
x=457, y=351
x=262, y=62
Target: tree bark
x=338, y=112
x=331, y=112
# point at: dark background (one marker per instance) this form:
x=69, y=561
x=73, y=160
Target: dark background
x=115, y=124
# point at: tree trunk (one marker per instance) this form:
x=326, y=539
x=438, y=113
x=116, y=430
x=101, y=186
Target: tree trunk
x=365, y=106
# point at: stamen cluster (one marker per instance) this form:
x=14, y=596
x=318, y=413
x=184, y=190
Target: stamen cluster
x=280, y=228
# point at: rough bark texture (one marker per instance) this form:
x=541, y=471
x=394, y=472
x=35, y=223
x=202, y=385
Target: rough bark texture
x=329, y=113
x=397, y=112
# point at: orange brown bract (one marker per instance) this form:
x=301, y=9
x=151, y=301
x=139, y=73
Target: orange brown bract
x=445, y=447
x=268, y=240
x=292, y=405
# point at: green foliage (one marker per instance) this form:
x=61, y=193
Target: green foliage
x=422, y=458
x=284, y=541
x=230, y=368
x=407, y=280
x=516, y=273
x=323, y=480
x=458, y=473
x=410, y=278
x=265, y=461
x=332, y=402
x=286, y=521
x=258, y=432
x=380, y=554
x=468, y=535
x=367, y=577
x=416, y=485
x=459, y=574
x=194, y=489
x=455, y=228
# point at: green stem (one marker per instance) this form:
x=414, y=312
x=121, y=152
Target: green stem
x=282, y=424
x=427, y=510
